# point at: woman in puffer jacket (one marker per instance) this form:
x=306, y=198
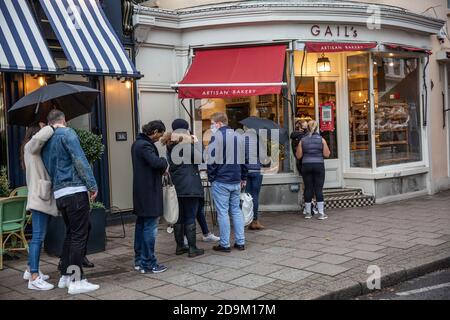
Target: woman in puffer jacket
x=184, y=153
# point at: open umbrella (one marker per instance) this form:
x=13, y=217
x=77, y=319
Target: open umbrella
x=71, y=99
x=261, y=123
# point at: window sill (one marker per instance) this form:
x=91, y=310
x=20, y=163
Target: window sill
x=386, y=173
x=281, y=178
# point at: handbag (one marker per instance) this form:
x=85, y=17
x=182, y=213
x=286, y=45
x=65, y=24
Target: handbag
x=247, y=208
x=170, y=201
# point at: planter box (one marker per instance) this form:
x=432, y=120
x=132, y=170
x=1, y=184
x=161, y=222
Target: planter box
x=56, y=233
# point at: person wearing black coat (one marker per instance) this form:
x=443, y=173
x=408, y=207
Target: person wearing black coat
x=301, y=130
x=185, y=176
x=148, y=169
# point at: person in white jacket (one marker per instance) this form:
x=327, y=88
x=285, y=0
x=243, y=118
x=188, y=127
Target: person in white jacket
x=40, y=202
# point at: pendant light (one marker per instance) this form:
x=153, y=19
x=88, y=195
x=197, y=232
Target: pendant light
x=323, y=64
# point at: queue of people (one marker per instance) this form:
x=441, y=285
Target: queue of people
x=60, y=181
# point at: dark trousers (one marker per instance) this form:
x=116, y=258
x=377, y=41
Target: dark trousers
x=201, y=218
x=188, y=209
x=314, y=178
x=254, y=183
x=75, y=212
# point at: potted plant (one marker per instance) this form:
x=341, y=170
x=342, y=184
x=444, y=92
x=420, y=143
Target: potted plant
x=4, y=183
x=93, y=148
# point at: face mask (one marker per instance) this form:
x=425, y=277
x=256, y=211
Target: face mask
x=214, y=128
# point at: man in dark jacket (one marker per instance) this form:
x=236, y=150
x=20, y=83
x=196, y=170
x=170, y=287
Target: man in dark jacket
x=227, y=174
x=148, y=169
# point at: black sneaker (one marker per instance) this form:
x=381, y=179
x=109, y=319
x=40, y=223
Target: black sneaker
x=159, y=268
x=222, y=249
x=239, y=246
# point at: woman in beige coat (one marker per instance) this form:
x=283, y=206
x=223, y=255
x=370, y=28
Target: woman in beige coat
x=41, y=201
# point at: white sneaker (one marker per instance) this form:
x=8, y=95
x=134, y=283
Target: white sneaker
x=308, y=215
x=39, y=284
x=83, y=286
x=137, y=268
x=27, y=275
x=322, y=216
x=64, y=282
x=211, y=238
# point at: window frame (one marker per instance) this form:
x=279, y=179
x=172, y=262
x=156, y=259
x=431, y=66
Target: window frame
x=375, y=168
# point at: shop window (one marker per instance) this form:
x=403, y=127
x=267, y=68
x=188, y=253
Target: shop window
x=266, y=106
x=397, y=109
x=305, y=99
x=359, y=111
x=3, y=140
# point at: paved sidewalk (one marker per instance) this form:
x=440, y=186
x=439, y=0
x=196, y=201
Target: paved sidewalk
x=293, y=258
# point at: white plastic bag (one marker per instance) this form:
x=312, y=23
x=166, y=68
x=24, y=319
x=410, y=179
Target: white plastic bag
x=170, y=201
x=247, y=208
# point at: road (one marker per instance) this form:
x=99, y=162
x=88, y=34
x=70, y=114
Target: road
x=433, y=286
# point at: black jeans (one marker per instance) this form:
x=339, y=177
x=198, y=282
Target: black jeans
x=75, y=211
x=188, y=209
x=314, y=178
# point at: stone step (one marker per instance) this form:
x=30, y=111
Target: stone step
x=342, y=192
x=348, y=201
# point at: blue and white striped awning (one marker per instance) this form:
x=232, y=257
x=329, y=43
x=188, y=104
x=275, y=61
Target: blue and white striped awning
x=87, y=38
x=22, y=47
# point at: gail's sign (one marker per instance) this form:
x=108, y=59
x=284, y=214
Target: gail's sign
x=329, y=31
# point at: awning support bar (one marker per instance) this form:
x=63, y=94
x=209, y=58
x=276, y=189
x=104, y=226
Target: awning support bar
x=185, y=109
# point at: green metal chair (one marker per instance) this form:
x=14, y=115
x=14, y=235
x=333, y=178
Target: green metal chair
x=22, y=192
x=12, y=224
x=19, y=192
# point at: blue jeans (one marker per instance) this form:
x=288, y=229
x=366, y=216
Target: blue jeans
x=39, y=222
x=227, y=201
x=254, y=182
x=145, y=234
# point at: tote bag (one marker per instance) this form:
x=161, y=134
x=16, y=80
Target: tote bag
x=170, y=200
x=247, y=208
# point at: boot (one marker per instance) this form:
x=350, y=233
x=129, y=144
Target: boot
x=252, y=225
x=178, y=232
x=87, y=263
x=191, y=235
x=258, y=225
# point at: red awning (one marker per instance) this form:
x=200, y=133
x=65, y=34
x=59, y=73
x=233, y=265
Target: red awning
x=395, y=46
x=234, y=72
x=338, y=46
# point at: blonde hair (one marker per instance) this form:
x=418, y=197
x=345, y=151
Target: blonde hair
x=220, y=117
x=313, y=127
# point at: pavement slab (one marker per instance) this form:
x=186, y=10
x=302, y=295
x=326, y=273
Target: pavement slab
x=293, y=258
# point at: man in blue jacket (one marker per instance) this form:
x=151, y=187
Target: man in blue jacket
x=227, y=173
x=73, y=184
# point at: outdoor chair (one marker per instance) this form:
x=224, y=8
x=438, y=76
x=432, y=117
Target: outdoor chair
x=12, y=223
x=23, y=192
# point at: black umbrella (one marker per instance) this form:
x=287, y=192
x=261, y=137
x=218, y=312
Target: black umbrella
x=71, y=99
x=261, y=123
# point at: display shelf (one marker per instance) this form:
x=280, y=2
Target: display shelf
x=389, y=114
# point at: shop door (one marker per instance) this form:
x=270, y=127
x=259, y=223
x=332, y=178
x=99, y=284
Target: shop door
x=327, y=109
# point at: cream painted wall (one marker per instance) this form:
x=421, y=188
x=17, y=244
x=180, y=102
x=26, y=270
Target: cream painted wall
x=437, y=136
x=417, y=6
x=120, y=118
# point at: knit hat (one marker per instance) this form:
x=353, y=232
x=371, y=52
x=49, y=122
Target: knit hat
x=180, y=124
